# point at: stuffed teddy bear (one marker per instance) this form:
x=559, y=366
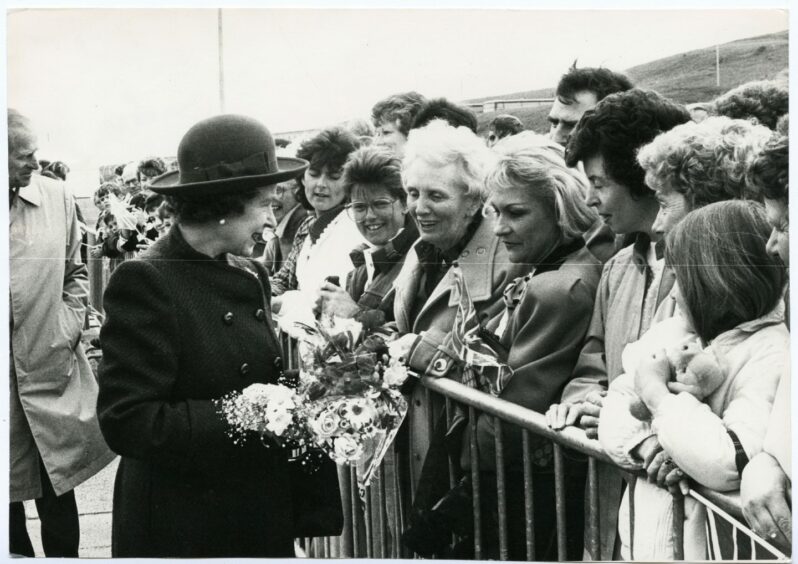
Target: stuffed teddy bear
x=692, y=366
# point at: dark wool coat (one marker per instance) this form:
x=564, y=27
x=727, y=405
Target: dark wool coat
x=182, y=330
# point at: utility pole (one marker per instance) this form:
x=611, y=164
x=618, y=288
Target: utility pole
x=717, y=65
x=221, y=61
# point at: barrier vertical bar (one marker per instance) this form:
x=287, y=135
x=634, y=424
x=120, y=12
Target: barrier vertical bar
x=559, y=502
x=678, y=526
x=594, y=540
x=355, y=498
x=449, y=418
x=369, y=518
x=95, y=267
x=529, y=517
x=498, y=442
x=383, y=512
x=631, y=482
x=472, y=421
x=379, y=527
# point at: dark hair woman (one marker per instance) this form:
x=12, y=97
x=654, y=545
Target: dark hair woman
x=186, y=323
x=323, y=242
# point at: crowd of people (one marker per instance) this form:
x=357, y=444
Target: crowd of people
x=629, y=266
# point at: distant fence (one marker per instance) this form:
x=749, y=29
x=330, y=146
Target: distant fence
x=506, y=105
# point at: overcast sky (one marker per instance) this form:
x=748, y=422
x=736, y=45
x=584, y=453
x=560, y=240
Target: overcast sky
x=109, y=86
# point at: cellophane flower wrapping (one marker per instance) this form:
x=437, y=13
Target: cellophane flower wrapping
x=346, y=402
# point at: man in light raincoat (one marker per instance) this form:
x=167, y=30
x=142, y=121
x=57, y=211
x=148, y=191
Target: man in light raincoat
x=55, y=438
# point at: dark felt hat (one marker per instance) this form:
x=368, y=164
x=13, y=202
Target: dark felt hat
x=223, y=155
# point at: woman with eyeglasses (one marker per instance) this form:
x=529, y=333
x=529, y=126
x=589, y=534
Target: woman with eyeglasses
x=373, y=179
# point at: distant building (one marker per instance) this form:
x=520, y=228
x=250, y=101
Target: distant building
x=500, y=105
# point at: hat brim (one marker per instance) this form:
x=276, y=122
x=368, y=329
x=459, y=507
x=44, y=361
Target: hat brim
x=168, y=184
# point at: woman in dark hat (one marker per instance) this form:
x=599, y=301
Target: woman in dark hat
x=186, y=323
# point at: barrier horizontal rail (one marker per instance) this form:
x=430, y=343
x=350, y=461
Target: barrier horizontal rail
x=571, y=437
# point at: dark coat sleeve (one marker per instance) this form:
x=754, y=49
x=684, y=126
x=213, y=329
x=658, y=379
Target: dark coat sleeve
x=547, y=330
x=140, y=416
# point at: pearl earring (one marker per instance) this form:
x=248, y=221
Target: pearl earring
x=222, y=222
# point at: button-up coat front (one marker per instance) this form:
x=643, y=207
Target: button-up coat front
x=486, y=270
x=53, y=389
x=183, y=330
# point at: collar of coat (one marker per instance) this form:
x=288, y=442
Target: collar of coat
x=394, y=251
x=174, y=246
x=642, y=242
x=476, y=264
x=32, y=192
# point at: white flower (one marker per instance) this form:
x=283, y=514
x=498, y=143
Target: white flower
x=360, y=412
x=346, y=448
x=395, y=373
x=269, y=394
x=324, y=424
x=278, y=421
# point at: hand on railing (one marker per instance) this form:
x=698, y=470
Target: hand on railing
x=765, y=498
x=660, y=468
x=585, y=414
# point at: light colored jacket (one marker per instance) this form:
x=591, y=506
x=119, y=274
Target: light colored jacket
x=329, y=255
x=486, y=270
x=620, y=316
x=53, y=390
x=695, y=434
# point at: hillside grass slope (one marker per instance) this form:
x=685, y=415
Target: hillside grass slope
x=687, y=77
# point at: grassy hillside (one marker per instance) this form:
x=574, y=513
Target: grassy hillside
x=687, y=77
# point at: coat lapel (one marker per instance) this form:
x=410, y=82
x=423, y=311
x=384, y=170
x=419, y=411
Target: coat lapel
x=479, y=251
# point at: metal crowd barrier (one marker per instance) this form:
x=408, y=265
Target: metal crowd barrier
x=374, y=525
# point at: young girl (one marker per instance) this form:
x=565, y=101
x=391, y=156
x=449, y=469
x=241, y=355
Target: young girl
x=731, y=299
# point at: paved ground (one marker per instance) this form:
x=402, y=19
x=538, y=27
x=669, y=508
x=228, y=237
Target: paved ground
x=94, y=506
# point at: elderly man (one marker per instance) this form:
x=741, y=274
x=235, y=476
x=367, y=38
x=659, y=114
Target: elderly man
x=55, y=439
x=578, y=91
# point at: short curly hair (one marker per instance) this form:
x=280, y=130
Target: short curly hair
x=439, y=144
x=617, y=127
x=764, y=100
x=769, y=173
x=330, y=147
x=399, y=109
x=374, y=166
x=441, y=108
x=151, y=167
x=600, y=81
x=707, y=161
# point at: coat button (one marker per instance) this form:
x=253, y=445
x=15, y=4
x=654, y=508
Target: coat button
x=278, y=362
x=228, y=318
x=439, y=366
x=260, y=315
x=465, y=253
x=244, y=369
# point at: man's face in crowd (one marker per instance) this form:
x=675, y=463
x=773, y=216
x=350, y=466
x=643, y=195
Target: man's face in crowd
x=564, y=117
x=22, y=158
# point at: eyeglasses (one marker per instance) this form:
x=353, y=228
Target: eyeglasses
x=358, y=210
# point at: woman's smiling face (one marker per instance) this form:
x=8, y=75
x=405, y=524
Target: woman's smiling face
x=378, y=215
x=439, y=203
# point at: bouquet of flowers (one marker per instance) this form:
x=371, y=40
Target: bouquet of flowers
x=346, y=402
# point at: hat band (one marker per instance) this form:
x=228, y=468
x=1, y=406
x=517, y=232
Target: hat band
x=252, y=165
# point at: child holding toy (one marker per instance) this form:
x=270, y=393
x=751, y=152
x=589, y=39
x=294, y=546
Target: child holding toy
x=707, y=377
